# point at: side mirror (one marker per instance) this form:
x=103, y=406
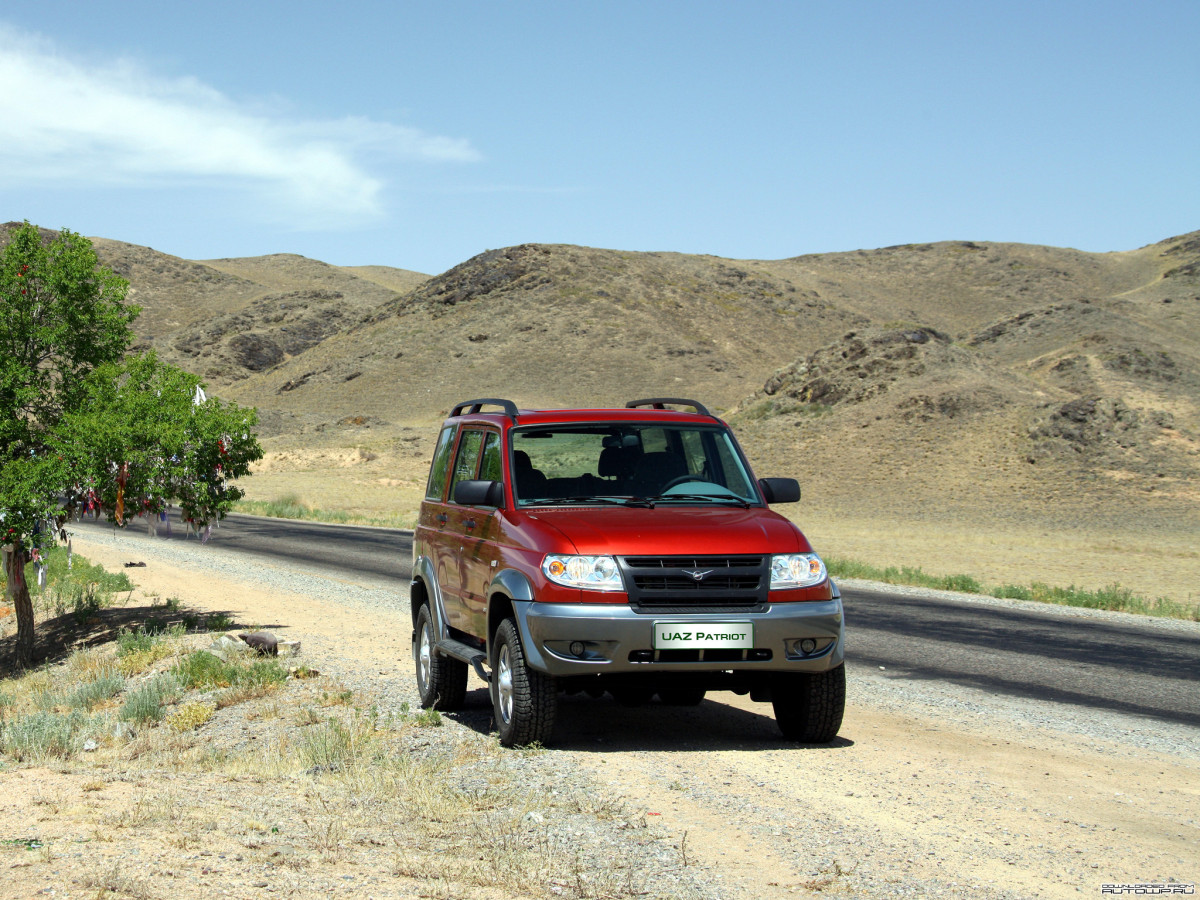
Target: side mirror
x=479, y=493
x=780, y=490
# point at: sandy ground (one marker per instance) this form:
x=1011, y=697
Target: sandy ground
x=928, y=785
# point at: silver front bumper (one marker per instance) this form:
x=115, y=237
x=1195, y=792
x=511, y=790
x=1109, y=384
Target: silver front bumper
x=593, y=638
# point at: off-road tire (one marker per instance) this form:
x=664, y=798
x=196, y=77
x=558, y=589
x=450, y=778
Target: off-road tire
x=809, y=706
x=524, y=701
x=441, y=680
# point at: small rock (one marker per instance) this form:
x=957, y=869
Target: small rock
x=89, y=745
x=225, y=646
x=264, y=643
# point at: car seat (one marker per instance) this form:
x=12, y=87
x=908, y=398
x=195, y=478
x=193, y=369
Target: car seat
x=654, y=471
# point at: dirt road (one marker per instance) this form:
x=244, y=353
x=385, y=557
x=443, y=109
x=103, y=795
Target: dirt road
x=931, y=789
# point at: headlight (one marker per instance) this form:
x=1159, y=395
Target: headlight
x=795, y=570
x=594, y=573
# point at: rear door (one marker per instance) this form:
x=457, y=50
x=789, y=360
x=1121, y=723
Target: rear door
x=431, y=538
x=479, y=552
x=469, y=533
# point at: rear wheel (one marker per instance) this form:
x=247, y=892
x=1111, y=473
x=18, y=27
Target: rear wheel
x=524, y=700
x=441, y=680
x=809, y=705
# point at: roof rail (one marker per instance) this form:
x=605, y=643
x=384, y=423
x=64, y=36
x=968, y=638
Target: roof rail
x=661, y=402
x=473, y=406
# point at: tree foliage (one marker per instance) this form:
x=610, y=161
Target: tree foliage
x=142, y=437
x=61, y=316
x=81, y=418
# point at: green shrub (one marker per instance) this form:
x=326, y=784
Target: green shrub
x=140, y=641
x=140, y=649
x=146, y=702
x=262, y=672
x=92, y=693
x=48, y=699
x=44, y=735
x=202, y=670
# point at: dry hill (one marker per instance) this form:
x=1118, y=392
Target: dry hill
x=930, y=397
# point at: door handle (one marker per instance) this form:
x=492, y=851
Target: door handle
x=469, y=524
x=442, y=518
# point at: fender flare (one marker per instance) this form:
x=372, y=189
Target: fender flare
x=518, y=595
x=424, y=573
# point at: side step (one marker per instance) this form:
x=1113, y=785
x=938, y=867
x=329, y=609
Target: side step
x=465, y=653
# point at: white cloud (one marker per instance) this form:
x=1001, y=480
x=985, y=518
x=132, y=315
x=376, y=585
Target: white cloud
x=67, y=122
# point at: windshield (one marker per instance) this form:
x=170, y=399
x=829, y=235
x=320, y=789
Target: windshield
x=628, y=462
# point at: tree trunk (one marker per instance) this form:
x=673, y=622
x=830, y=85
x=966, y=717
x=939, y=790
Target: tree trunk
x=18, y=592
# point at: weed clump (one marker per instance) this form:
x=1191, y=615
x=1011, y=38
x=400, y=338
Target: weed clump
x=148, y=701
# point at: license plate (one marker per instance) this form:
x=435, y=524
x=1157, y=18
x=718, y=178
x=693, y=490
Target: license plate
x=709, y=636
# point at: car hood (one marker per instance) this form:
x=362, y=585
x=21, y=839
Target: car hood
x=664, y=530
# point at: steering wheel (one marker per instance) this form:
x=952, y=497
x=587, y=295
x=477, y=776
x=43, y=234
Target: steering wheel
x=679, y=479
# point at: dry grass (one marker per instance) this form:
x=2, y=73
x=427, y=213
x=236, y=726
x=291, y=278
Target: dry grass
x=1158, y=565
x=306, y=777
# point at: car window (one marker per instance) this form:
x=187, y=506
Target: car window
x=692, y=444
x=467, y=460
x=627, y=459
x=490, y=468
x=441, y=461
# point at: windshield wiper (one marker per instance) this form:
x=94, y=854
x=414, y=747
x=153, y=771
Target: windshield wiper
x=711, y=498
x=563, y=501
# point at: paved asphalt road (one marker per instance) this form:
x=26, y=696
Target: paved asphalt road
x=1144, y=668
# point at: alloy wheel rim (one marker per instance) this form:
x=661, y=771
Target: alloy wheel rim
x=425, y=656
x=504, y=684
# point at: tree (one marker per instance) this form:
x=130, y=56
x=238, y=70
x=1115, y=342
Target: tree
x=77, y=414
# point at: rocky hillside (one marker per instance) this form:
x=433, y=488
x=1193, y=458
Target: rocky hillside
x=227, y=319
x=1006, y=377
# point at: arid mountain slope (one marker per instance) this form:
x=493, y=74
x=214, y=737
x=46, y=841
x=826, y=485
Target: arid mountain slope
x=228, y=318
x=1079, y=399
x=964, y=384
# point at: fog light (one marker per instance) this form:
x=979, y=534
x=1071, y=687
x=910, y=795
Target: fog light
x=577, y=648
x=808, y=645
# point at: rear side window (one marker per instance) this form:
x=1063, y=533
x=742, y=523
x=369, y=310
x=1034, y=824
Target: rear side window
x=441, y=461
x=490, y=466
x=467, y=460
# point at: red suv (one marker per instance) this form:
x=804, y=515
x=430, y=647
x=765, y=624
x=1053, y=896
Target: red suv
x=621, y=550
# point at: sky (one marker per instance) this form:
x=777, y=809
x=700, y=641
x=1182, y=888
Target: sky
x=417, y=135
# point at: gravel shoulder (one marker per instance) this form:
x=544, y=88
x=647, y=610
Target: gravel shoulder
x=932, y=790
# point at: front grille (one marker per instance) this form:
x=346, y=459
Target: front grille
x=675, y=583
x=704, y=583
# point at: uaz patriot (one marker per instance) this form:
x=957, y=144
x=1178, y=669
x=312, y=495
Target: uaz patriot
x=627, y=551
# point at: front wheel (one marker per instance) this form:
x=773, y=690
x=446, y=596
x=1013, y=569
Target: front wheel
x=441, y=680
x=809, y=705
x=524, y=700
